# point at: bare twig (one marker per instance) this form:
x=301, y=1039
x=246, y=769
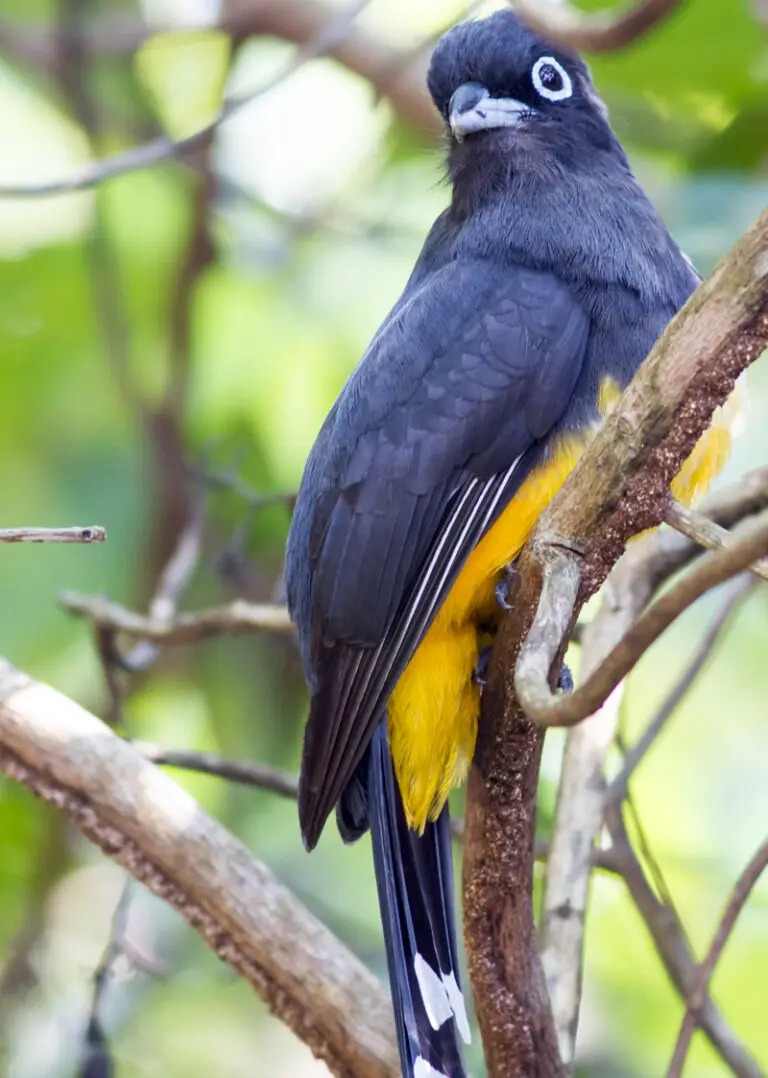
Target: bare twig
x=702, y=530
x=551, y=624
x=595, y=32
x=327, y=38
x=153, y=828
x=207, y=763
x=228, y=479
x=699, y=992
x=669, y=940
x=93, y=534
x=238, y=618
x=737, y=592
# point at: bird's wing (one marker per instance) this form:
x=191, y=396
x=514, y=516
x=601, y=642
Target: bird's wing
x=430, y=439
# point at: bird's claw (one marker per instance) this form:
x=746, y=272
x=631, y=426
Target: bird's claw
x=565, y=680
x=504, y=586
x=480, y=673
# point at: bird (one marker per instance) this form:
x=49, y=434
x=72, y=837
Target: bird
x=537, y=294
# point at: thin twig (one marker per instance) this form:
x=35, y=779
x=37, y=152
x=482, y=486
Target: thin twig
x=238, y=618
x=749, y=544
x=172, y=582
x=705, y=532
x=670, y=942
x=737, y=593
x=207, y=763
x=230, y=480
x=93, y=534
x=163, y=149
x=699, y=993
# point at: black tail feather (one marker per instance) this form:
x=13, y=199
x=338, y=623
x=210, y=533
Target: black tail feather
x=414, y=875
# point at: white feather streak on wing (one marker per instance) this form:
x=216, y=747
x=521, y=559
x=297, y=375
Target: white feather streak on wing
x=434, y=994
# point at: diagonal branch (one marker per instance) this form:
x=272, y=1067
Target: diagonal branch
x=153, y=828
x=740, y=588
x=669, y=939
x=702, y=530
x=698, y=996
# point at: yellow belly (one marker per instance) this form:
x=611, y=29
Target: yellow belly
x=434, y=708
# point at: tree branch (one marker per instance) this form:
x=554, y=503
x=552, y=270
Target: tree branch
x=154, y=829
x=601, y=31
x=738, y=591
x=93, y=534
x=670, y=942
x=617, y=490
x=698, y=996
x=238, y=618
x=702, y=530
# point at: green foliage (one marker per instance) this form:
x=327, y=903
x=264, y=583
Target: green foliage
x=276, y=321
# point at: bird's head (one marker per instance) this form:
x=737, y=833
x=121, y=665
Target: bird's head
x=513, y=103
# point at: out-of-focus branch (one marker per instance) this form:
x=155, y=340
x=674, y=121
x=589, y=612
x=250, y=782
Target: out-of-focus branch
x=208, y=763
x=238, y=618
x=738, y=591
x=669, y=939
x=702, y=530
x=617, y=490
x=330, y=34
x=228, y=479
x=552, y=620
x=19, y=974
x=154, y=829
x=698, y=997
x=600, y=31
x=93, y=534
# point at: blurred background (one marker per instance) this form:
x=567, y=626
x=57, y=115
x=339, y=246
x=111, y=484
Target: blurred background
x=173, y=340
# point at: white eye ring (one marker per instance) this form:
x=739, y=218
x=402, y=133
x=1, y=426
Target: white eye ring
x=551, y=95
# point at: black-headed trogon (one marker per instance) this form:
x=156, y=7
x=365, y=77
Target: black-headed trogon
x=537, y=295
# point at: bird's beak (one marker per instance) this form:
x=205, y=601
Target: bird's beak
x=473, y=109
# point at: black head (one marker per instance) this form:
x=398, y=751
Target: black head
x=503, y=90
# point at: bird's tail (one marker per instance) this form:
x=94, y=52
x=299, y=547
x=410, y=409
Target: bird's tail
x=414, y=876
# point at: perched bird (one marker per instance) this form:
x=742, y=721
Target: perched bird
x=537, y=294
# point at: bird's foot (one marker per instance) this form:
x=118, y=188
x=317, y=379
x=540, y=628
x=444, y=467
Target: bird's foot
x=565, y=680
x=480, y=673
x=504, y=586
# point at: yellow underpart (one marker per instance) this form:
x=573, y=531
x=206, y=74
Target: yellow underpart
x=434, y=709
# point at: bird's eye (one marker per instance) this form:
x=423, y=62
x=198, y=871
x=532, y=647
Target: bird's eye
x=551, y=80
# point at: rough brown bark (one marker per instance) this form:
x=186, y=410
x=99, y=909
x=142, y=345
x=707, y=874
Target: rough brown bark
x=155, y=829
x=619, y=488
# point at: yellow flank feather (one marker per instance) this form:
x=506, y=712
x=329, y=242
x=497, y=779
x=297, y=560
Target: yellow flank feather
x=434, y=709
